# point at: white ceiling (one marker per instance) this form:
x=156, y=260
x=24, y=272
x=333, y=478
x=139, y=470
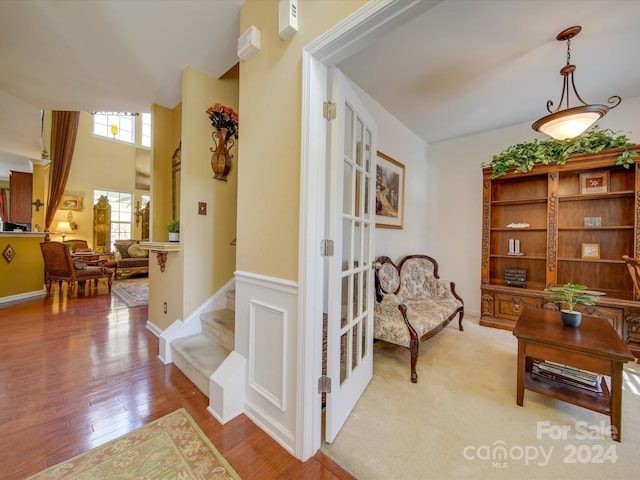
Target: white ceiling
x=114, y=55
x=461, y=67
x=467, y=66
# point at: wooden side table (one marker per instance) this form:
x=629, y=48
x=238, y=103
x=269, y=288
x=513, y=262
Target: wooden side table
x=594, y=346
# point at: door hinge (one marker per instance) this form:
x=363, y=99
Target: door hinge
x=324, y=384
x=326, y=248
x=329, y=110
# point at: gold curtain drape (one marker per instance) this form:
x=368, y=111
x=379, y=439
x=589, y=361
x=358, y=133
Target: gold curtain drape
x=64, y=129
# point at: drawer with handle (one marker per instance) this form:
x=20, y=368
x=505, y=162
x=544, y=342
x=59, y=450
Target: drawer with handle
x=511, y=306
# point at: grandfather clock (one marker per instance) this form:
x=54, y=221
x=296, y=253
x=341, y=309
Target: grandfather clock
x=102, y=226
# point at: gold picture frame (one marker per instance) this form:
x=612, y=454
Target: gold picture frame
x=390, y=179
x=594, y=182
x=71, y=202
x=590, y=250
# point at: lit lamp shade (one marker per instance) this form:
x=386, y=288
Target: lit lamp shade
x=571, y=122
x=63, y=228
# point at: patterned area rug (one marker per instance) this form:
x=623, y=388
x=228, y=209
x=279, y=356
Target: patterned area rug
x=133, y=291
x=172, y=447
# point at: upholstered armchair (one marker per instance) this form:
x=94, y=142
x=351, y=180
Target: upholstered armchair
x=77, y=245
x=60, y=267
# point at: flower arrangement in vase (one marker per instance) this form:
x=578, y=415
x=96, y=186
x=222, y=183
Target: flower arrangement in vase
x=225, y=122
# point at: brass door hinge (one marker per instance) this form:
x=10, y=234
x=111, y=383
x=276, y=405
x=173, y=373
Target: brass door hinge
x=324, y=384
x=329, y=110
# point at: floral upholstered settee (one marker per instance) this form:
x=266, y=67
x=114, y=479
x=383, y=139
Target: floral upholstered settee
x=412, y=303
x=130, y=259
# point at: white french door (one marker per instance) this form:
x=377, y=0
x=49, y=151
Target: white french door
x=351, y=226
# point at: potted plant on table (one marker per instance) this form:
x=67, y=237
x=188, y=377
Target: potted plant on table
x=174, y=230
x=571, y=295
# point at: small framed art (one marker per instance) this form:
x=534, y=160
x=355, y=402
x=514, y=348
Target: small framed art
x=592, y=221
x=594, y=182
x=8, y=253
x=590, y=250
x=71, y=202
x=389, y=192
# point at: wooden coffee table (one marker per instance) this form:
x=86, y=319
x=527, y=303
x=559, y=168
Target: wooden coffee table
x=593, y=346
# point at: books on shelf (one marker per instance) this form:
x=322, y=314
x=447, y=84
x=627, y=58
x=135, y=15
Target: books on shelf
x=568, y=375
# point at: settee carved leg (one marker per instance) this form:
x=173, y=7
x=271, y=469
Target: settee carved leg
x=414, y=343
x=414, y=349
x=455, y=294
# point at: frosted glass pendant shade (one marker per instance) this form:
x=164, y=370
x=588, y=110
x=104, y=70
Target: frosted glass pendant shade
x=571, y=122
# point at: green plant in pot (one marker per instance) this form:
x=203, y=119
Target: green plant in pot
x=570, y=295
x=174, y=230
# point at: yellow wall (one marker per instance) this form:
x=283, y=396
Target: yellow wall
x=167, y=125
x=165, y=288
x=40, y=183
x=25, y=273
x=206, y=238
x=98, y=163
x=206, y=260
x=270, y=116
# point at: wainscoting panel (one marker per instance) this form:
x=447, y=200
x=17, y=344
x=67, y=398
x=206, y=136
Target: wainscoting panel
x=267, y=336
x=267, y=366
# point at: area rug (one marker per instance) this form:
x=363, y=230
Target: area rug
x=172, y=447
x=134, y=291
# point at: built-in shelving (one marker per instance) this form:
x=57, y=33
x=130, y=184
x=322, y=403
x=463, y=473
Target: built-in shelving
x=573, y=236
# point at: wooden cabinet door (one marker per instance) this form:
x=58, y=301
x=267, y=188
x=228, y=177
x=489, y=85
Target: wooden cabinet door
x=20, y=192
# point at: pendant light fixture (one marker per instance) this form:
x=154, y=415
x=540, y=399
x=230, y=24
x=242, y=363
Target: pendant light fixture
x=572, y=121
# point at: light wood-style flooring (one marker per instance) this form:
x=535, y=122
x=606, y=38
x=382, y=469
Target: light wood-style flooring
x=78, y=372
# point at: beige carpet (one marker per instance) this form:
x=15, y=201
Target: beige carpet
x=461, y=421
x=132, y=291
x=170, y=448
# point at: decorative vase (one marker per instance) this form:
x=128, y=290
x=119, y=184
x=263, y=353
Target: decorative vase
x=570, y=318
x=174, y=236
x=221, y=158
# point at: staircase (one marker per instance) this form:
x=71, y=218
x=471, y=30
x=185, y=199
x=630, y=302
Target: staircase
x=198, y=356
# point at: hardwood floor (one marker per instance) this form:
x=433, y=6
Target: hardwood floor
x=78, y=372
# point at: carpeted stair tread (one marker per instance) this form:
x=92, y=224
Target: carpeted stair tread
x=198, y=356
x=220, y=325
x=231, y=300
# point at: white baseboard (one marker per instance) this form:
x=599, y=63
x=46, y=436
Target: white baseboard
x=22, y=298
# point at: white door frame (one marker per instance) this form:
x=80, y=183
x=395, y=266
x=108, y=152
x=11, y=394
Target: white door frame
x=371, y=21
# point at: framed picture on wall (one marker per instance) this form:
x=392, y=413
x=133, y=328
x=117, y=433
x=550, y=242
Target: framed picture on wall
x=71, y=202
x=389, y=192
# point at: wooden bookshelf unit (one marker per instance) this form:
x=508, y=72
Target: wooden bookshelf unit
x=573, y=224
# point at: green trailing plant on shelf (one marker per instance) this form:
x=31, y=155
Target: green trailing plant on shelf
x=523, y=156
x=174, y=226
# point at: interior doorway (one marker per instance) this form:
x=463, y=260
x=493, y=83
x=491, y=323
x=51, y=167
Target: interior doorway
x=372, y=21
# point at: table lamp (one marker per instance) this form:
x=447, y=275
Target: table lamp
x=63, y=227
